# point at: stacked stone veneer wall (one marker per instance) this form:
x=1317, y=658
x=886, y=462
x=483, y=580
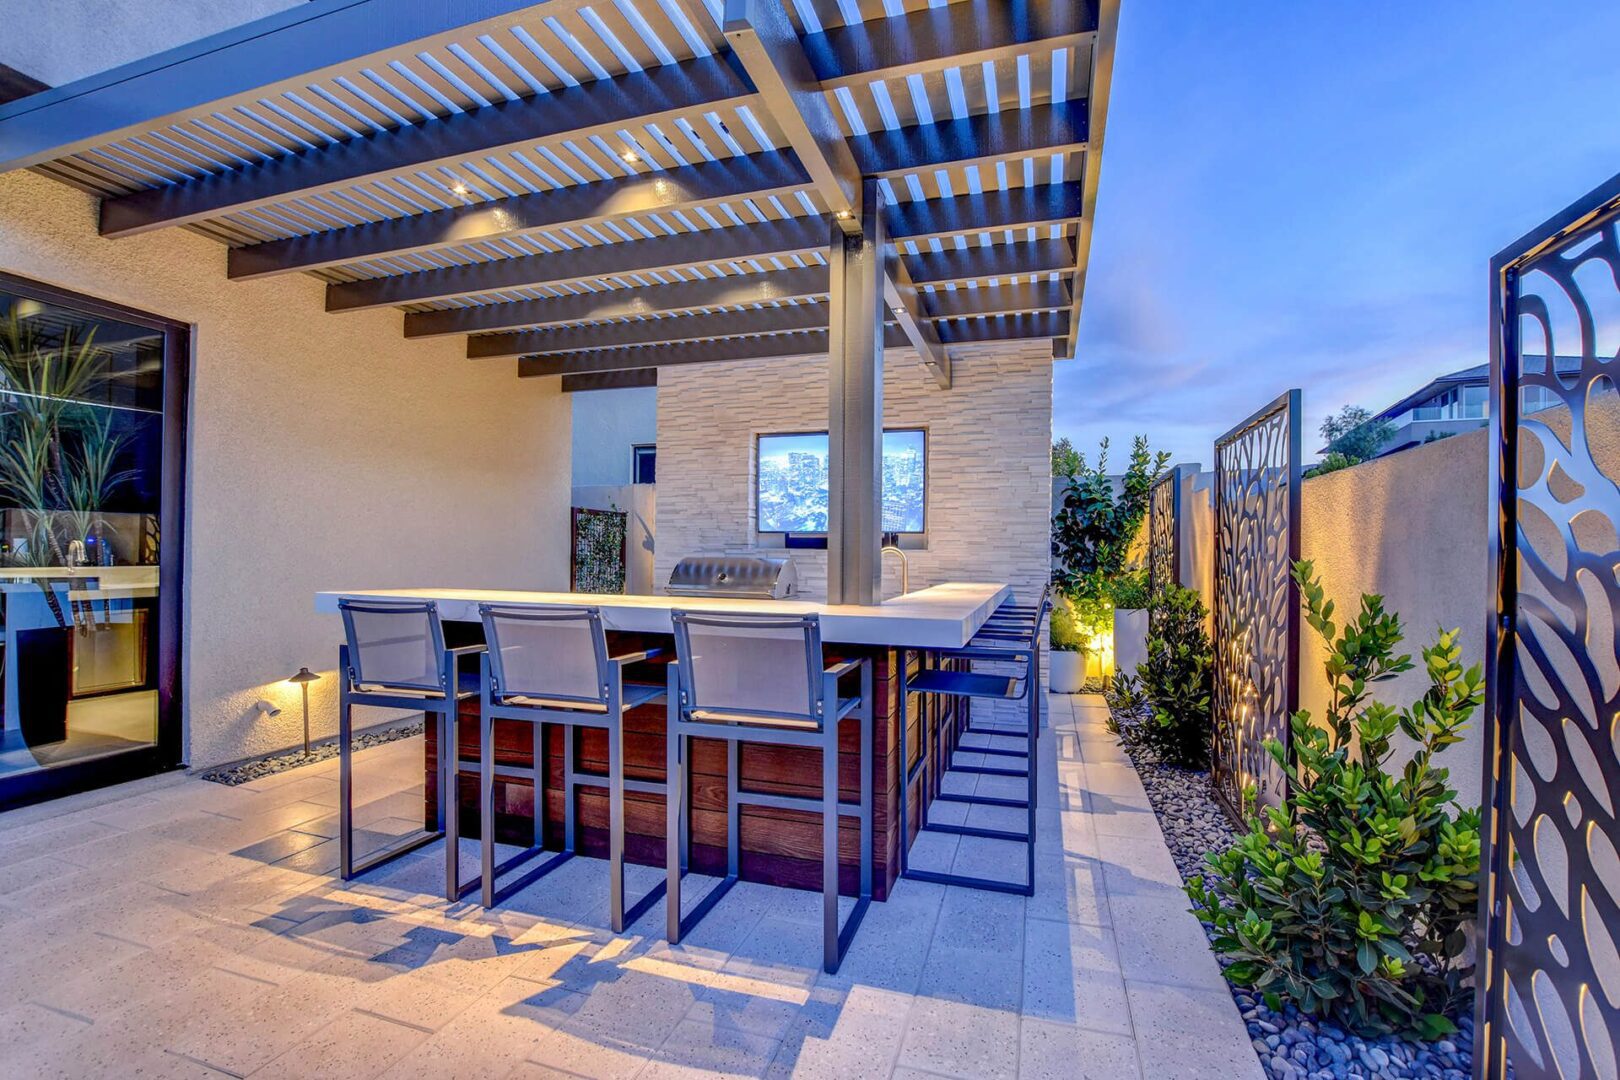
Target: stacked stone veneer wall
x=989, y=460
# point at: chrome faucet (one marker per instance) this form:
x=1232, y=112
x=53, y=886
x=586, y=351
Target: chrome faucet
x=891, y=542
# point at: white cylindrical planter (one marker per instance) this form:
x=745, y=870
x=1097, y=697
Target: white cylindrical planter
x=1130, y=639
x=1068, y=671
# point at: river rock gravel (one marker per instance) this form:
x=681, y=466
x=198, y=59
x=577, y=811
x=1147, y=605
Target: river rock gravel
x=1290, y=1045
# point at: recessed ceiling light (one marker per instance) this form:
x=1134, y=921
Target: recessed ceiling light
x=630, y=157
x=842, y=215
x=460, y=189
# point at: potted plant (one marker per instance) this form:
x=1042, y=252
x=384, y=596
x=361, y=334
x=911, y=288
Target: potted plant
x=1129, y=591
x=1068, y=662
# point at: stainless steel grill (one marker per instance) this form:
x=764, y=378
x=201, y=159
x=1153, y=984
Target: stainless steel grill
x=760, y=577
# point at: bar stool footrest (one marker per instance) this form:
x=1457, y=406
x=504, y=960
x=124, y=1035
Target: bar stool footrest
x=981, y=800
x=976, y=831
x=968, y=882
x=390, y=852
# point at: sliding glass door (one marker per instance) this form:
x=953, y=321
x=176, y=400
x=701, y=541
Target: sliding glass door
x=92, y=453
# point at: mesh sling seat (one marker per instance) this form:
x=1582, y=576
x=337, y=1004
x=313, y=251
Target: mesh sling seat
x=1010, y=638
x=760, y=679
x=394, y=657
x=551, y=666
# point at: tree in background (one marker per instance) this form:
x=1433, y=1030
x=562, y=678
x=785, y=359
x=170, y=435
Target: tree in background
x=1093, y=527
x=1066, y=460
x=1352, y=436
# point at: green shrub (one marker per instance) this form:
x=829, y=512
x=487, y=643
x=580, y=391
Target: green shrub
x=1178, y=679
x=1129, y=590
x=1350, y=899
x=1125, y=696
x=1066, y=634
x=1093, y=528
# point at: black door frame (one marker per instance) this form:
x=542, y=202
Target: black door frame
x=41, y=784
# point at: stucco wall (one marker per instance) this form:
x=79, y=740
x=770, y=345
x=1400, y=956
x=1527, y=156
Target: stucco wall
x=326, y=452
x=989, y=460
x=607, y=423
x=1412, y=527
x=57, y=41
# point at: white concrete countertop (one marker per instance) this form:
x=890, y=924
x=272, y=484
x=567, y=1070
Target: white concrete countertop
x=941, y=617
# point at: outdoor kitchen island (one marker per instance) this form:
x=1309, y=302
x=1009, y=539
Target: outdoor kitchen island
x=779, y=846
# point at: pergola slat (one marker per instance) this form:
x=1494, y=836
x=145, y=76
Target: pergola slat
x=976, y=139
x=582, y=204
x=763, y=240
x=732, y=290
x=599, y=107
x=954, y=35
x=719, y=324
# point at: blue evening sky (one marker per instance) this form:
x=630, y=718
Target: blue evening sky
x=1309, y=194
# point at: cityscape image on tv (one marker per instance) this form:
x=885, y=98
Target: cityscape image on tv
x=793, y=482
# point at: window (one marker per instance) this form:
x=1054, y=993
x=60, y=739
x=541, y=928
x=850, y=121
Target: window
x=89, y=541
x=791, y=496
x=643, y=464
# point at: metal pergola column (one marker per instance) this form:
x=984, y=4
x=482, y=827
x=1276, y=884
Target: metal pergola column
x=855, y=408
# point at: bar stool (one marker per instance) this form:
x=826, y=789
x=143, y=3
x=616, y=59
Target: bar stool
x=551, y=666
x=1010, y=636
x=394, y=657
x=759, y=678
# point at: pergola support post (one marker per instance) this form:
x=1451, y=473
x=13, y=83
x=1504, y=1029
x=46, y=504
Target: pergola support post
x=855, y=408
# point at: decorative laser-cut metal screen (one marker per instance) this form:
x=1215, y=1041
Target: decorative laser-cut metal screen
x=599, y=555
x=1164, y=524
x=1256, y=607
x=1551, y=896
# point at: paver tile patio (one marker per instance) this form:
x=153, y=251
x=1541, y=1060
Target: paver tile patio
x=175, y=927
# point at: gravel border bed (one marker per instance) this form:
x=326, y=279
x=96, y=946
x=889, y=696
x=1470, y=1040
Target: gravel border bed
x=259, y=768
x=1290, y=1045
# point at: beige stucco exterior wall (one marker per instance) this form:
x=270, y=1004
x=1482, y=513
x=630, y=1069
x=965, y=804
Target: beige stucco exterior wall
x=989, y=460
x=326, y=452
x=1412, y=527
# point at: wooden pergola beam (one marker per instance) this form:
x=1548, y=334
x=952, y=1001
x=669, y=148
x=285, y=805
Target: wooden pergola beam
x=952, y=35
x=716, y=324
x=578, y=112
x=1011, y=133
x=769, y=347
x=1042, y=256
x=731, y=290
x=763, y=38
x=911, y=313
x=764, y=240
x=690, y=186
x=999, y=299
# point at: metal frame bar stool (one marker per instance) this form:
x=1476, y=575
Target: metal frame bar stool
x=394, y=657
x=747, y=678
x=551, y=666
x=1012, y=634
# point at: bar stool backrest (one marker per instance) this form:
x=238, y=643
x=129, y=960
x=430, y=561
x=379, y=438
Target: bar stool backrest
x=394, y=644
x=741, y=667
x=556, y=654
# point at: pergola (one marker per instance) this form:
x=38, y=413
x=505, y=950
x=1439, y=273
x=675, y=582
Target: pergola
x=603, y=189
